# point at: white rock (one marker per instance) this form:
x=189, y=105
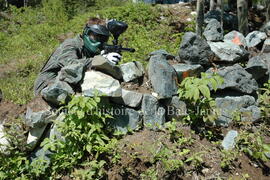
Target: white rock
x=3, y=140
x=34, y=135
x=103, y=84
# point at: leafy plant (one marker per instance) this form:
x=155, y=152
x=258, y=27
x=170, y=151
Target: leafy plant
x=202, y=111
x=254, y=146
x=227, y=158
x=264, y=101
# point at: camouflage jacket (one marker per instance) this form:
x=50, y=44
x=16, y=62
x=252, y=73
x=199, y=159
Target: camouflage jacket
x=71, y=51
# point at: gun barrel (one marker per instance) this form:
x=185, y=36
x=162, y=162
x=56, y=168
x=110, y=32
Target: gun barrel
x=128, y=49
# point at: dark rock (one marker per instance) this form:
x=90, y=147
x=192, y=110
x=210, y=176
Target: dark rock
x=35, y=135
x=103, y=84
x=230, y=104
x=237, y=78
x=194, y=50
x=229, y=20
x=266, y=46
x=57, y=93
x=130, y=119
x=255, y=38
x=236, y=38
x=176, y=108
x=129, y=98
x=186, y=70
x=162, y=76
x=37, y=119
x=228, y=142
x=153, y=112
x=131, y=71
x=213, y=31
x=236, y=53
x=71, y=74
x=257, y=67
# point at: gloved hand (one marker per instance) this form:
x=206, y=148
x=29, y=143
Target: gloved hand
x=113, y=57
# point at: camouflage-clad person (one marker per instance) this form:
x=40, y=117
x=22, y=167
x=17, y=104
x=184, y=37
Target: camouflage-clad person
x=65, y=67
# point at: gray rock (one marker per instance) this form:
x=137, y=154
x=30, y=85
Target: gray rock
x=103, y=84
x=221, y=49
x=4, y=143
x=257, y=67
x=229, y=20
x=71, y=74
x=130, y=119
x=194, y=50
x=162, y=76
x=228, y=142
x=37, y=119
x=250, y=114
x=266, y=46
x=132, y=71
x=153, y=112
x=57, y=93
x=161, y=52
x=266, y=29
x=255, y=38
x=186, y=70
x=236, y=38
x=228, y=105
x=100, y=63
x=213, y=31
x=237, y=78
x=129, y=98
x=176, y=108
x=267, y=154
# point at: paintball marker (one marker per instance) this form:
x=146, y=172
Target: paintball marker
x=116, y=28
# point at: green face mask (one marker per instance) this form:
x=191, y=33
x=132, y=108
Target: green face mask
x=91, y=46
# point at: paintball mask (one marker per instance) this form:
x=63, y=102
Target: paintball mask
x=93, y=37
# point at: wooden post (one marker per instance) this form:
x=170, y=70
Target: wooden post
x=200, y=17
x=242, y=13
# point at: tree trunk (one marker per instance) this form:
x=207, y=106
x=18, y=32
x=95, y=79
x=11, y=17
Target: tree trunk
x=242, y=13
x=267, y=15
x=200, y=17
x=220, y=6
x=213, y=4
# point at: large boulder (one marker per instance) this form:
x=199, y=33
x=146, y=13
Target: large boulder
x=187, y=70
x=130, y=119
x=162, y=76
x=131, y=71
x=35, y=135
x=97, y=82
x=255, y=38
x=228, y=51
x=257, y=67
x=213, y=31
x=129, y=98
x=228, y=105
x=236, y=78
x=236, y=38
x=194, y=50
x=153, y=112
x=57, y=93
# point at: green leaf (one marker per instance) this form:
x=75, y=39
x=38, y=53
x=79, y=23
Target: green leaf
x=205, y=91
